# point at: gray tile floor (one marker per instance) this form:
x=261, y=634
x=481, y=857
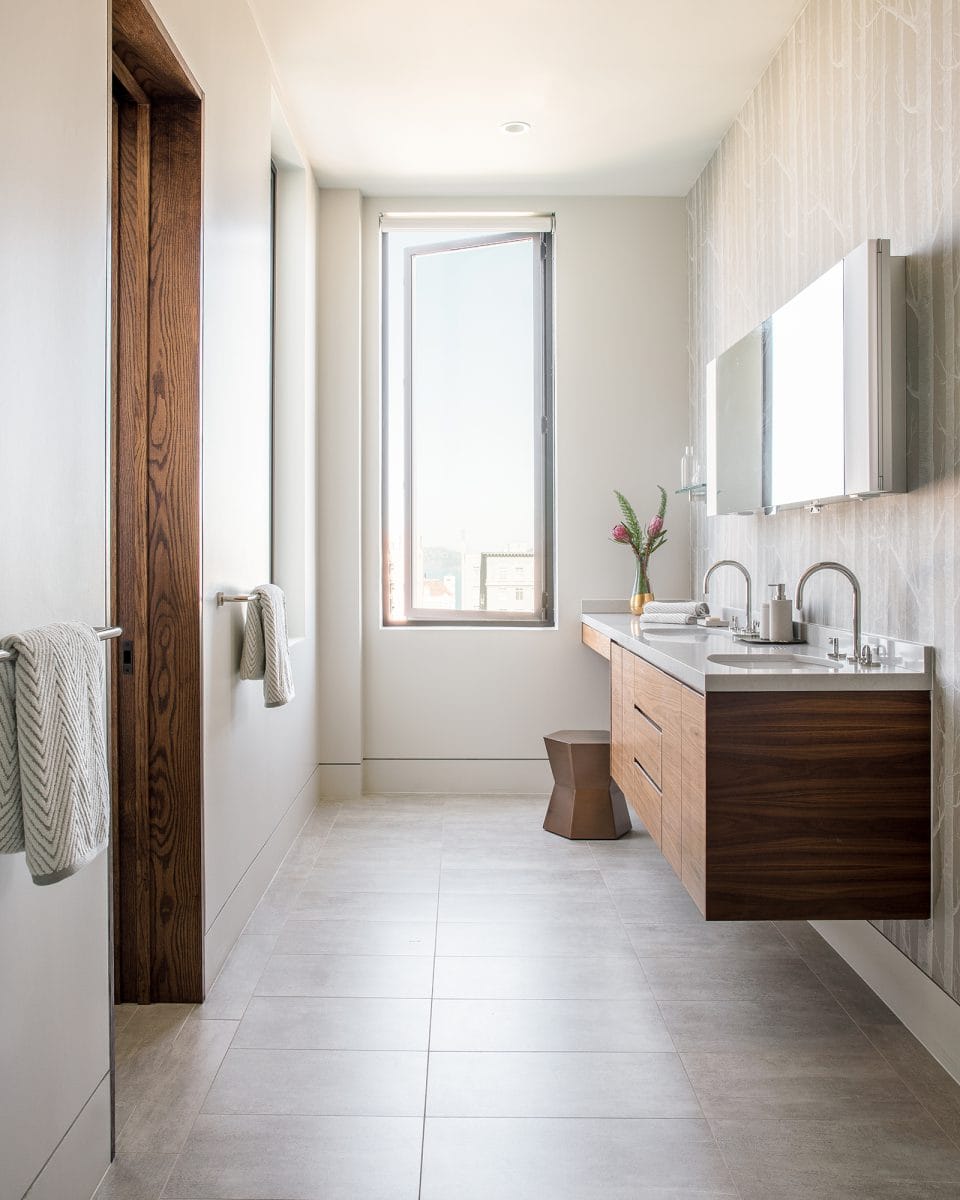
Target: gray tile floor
x=437, y=999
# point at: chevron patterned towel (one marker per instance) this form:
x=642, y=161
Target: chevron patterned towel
x=266, y=653
x=54, y=790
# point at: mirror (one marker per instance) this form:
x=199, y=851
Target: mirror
x=735, y=426
x=809, y=407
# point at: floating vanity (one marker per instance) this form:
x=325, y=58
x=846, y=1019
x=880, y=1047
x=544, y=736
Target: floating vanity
x=779, y=783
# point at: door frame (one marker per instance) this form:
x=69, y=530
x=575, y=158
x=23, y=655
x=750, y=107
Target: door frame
x=155, y=485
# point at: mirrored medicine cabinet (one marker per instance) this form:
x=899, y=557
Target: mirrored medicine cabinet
x=809, y=407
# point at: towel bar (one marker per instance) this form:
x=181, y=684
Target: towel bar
x=104, y=632
x=223, y=598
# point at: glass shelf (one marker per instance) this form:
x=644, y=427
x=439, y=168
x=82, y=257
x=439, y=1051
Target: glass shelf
x=694, y=489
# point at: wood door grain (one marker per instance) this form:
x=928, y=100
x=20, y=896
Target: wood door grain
x=818, y=805
x=657, y=697
x=594, y=640
x=176, y=809
x=693, y=796
x=130, y=554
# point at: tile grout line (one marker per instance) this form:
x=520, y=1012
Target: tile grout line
x=953, y=1138
x=683, y=1067
x=237, y=1021
x=433, y=988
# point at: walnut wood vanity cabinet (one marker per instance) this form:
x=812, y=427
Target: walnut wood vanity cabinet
x=778, y=804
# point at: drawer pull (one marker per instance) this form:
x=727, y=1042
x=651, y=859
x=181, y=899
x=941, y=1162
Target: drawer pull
x=649, y=777
x=648, y=719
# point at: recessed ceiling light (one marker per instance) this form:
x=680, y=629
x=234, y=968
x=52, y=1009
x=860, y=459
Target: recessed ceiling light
x=515, y=127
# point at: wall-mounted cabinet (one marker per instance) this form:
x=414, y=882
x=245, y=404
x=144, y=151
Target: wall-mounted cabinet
x=809, y=407
x=779, y=804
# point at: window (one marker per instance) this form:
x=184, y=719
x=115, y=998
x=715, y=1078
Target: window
x=468, y=463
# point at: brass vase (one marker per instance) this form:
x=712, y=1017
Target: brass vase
x=641, y=595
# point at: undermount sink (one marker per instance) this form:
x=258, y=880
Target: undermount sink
x=773, y=662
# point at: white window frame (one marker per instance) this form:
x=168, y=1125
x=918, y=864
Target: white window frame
x=541, y=414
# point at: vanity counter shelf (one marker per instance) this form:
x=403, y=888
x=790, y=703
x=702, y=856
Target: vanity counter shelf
x=699, y=658
x=779, y=783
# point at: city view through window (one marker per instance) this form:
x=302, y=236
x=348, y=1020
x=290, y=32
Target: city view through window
x=463, y=426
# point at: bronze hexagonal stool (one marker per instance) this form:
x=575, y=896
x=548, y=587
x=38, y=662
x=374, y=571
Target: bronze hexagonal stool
x=585, y=802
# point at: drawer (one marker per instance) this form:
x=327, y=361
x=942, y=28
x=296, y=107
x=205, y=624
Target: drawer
x=595, y=641
x=656, y=694
x=647, y=744
x=644, y=798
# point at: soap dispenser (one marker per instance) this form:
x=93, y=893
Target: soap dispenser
x=781, y=614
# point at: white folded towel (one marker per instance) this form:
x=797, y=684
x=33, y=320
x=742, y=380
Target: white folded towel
x=266, y=653
x=667, y=618
x=54, y=785
x=690, y=608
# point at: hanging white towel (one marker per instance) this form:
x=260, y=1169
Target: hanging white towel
x=54, y=790
x=266, y=653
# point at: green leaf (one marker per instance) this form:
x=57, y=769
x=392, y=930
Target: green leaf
x=629, y=518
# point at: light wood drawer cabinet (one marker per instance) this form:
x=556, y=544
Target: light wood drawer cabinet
x=778, y=805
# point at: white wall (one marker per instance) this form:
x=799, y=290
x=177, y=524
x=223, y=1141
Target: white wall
x=467, y=709
x=54, y=945
x=54, y=144
x=339, y=632
x=258, y=764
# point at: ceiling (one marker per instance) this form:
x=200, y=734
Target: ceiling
x=625, y=97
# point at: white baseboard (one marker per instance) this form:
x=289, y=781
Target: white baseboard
x=340, y=781
x=230, y=920
x=456, y=776
x=926, y=1010
x=77, y=1165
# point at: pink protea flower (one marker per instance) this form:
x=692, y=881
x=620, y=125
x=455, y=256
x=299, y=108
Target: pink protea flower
x=655, y=526
x=620, y=533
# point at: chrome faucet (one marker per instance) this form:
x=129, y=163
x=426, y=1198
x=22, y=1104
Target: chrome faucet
x=732, y=562
x=854, y=583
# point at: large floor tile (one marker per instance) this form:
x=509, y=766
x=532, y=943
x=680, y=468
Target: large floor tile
x=167, y=1102
x=142, y=1047
x=357, y=937
x=136, y=1175
x=299, y=1158
x=537, y=978
x=365, y=906
x=560, y=880
x=937, y=1091
x=372, y=877
x=695, y=938
x=481, y=907
x=334, y=1023
x=403, y=977
x=856, y=996
x=729, y=976
x=571, y=1025
x=907, y=1159
x=526, y=938
x=322, y=1083
x=665, y=903
x=506, y=1159
x=837, y=1085
x=233, y=987
x=752, y=1026
x=559, y=1085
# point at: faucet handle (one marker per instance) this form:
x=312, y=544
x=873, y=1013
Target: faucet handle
x=834, y=651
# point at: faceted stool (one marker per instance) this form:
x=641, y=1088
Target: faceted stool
x=585, y=802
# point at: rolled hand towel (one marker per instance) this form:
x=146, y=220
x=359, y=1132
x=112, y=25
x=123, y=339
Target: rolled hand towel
x=54, y=789
x=690, y=608
x=667, y=619
x=266, y=653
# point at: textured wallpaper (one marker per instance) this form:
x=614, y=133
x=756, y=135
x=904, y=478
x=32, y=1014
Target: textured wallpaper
x=853, y=133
